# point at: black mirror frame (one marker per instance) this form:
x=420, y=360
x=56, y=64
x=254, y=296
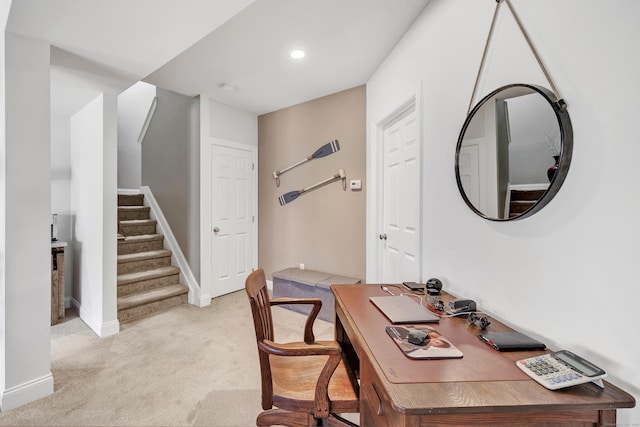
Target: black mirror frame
x=566, y=149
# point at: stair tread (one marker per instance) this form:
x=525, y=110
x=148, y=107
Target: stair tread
x=135, y=300
x=142, y=237
x=137, y=221
x=154, y=273
x=139, y=256
x=133, y=207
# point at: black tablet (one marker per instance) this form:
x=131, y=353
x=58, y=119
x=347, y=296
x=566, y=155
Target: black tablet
x=413, y=286
x=510, y=341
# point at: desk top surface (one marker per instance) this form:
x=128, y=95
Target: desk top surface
x=479, y=362
x=483, y=377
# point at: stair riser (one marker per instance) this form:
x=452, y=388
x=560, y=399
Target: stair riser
x=147, y=309
x=147, y=285
x=130, y=199
x=125, y=247
x=142, y=265
x=129, y=214
x=520, y=207
x=138, y=230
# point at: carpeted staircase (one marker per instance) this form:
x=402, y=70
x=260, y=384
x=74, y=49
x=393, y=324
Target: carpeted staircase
x=523, y=200
x=147, y=282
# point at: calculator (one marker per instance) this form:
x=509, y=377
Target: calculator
x=561, y=369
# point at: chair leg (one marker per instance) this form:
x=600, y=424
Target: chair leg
x=276, y=417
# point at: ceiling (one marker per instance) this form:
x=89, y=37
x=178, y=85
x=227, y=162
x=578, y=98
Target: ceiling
x=195, y=47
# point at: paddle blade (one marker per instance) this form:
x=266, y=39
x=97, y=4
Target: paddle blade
x=288, y=197
x=326, y=149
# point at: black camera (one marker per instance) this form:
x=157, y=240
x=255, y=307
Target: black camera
x=435, y=284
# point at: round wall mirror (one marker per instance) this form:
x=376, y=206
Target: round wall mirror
x=513, y=152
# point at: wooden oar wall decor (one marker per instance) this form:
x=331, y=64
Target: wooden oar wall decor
x=325, y=150
x=292, y=195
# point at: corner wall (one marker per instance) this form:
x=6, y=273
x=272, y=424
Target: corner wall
x=564, y=274
x=218, y=122
x=25, y=246
x=133, y=107
x=171, y=169
x=323, y=229
x=94, y=206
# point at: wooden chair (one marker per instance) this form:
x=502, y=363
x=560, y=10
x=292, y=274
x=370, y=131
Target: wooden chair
x=303, y=383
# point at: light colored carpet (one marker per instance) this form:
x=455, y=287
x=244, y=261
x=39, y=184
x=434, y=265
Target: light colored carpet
x=187, y=366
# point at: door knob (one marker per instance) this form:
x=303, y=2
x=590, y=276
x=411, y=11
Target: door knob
x=383, y=236
x=216, y=229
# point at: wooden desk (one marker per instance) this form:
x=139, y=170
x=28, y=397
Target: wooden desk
x=502, y=396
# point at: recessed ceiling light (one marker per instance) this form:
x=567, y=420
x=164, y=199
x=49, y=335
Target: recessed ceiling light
x=297, y=54
x=227, y=87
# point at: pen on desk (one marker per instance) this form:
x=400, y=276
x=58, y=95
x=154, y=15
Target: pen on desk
x=488, y=341
x=384, y=288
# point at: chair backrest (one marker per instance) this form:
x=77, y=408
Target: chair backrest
x=256, y=287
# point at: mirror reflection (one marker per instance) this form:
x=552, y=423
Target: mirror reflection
x=512, y=152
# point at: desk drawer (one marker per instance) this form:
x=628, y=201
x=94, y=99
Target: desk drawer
x=375, y=406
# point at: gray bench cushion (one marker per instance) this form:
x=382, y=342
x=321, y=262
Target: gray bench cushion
x=307, y=277
x=296, y=283
x=336, y=280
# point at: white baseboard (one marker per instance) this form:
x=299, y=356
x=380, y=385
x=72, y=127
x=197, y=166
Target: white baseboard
x=26, y=393
x=101, y=329
x=110, y=328
x=128, y=191
x=205, y=300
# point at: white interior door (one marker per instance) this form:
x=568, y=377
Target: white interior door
x=401, y=212
x=468, y=168
x=232, y=218
x=477, y=163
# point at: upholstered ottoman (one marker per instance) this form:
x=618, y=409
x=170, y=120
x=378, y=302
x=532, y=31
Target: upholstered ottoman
x=296, y=283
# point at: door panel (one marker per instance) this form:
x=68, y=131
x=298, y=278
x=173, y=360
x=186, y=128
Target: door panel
x=232, y=236
x=401, y=199
x=468, y=168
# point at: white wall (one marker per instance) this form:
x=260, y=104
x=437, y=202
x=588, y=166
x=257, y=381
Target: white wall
x=531, y=123
x=74, y=83
x=133, y=107
x=94, y=206
x=217, y=121
x=171, y=168
x=231, y=124
x=25, y=251
x=60, y=195
x=568, y=274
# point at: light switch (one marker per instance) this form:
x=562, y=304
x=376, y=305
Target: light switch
x=356, y=185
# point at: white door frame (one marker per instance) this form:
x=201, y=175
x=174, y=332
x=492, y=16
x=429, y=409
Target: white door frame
x=375, y=208
x=205, y=211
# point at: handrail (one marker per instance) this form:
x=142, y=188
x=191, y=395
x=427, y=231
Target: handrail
x=186, y=274
x=147, y=120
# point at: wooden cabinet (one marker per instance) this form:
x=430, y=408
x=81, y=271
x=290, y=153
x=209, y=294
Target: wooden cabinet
x=57, y=282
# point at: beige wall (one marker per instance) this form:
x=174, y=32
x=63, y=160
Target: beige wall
x=324, y=229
